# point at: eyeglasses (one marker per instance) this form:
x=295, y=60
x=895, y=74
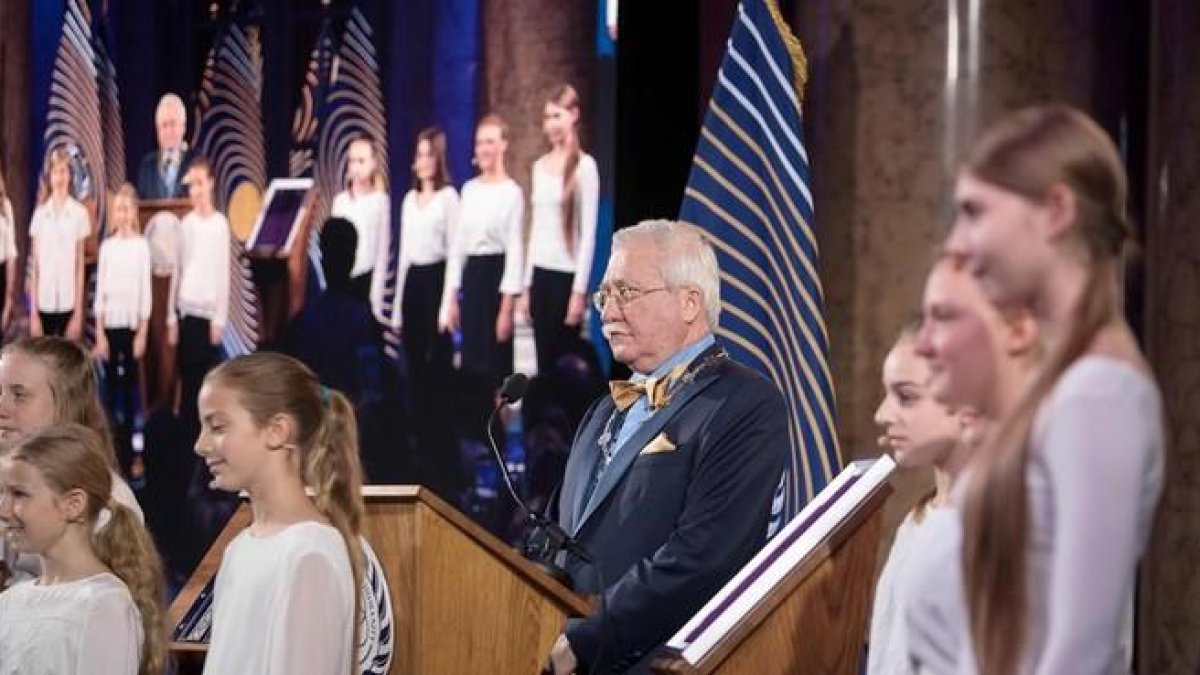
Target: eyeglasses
x=622, y=294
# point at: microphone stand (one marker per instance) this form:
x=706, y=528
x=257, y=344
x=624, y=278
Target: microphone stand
x=557, y=538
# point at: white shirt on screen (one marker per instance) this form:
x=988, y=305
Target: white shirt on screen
x=284, y=604
x=56, y=233
x=202, y=286
x=490, y=218
x=371, y=215
x=547, y=244
x=123, y=282
x=85, y=627
x=426, y=235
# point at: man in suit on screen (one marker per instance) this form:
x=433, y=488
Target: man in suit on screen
x=669, y=483
x=161, y=173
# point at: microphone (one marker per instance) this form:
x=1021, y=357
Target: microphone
x=512, y=390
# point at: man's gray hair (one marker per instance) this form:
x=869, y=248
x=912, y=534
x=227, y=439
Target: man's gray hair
x=685, y=258
x=171, y=102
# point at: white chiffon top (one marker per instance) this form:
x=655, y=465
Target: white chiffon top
x=84, y=627
x=284, y=604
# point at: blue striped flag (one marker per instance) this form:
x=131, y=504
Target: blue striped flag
x=749, y=189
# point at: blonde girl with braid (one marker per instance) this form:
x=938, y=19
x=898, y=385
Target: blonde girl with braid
x=96, y=609
x=285, y=597
x=46, y=381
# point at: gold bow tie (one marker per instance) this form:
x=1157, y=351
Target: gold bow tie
x=657, y=390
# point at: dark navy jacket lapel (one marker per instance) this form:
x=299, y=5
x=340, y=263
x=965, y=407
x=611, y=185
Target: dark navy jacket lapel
x=628, y=452
x=581, y=463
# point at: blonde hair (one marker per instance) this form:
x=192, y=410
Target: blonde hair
x=494, y=120
x=377, y=180
x=72, y=384
x=127, y=191
x=566, y=97
x=268, y=384
x=68, y=457
x=1028, y=153
x=57, y=155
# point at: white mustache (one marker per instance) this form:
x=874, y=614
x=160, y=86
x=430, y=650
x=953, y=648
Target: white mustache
x=608, y=329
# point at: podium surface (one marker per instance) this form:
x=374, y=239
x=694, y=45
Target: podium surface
x=463, y=601
x=801, y=605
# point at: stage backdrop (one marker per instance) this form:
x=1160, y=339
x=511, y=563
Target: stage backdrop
x=436, y=62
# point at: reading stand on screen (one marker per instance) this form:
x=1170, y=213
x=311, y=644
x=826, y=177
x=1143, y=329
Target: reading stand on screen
x=284, y=208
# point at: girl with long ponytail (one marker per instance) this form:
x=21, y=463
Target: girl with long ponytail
x=562, y=235
x=286, y=597
x=97, y=605
x=1058, y=505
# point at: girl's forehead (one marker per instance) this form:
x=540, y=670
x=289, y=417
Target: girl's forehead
x=15, y=471
x=20, y=368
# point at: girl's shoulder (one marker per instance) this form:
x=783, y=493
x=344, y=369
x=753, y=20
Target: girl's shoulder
x=298, y=546
x=301, y=537
x=1100, y=375
x=83, y=592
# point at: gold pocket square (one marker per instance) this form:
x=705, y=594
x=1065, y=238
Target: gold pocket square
x=659, y=445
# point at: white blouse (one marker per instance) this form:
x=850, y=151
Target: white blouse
x=371, y=215
x=8, y=229
x=426, y=235
x=284, y=604
x=85, y=627
x=490, y=219
x=888, y=653
x=1094, y=478
x=123, y=282
x=547, y=245
x=202, y=281
x=56, y=235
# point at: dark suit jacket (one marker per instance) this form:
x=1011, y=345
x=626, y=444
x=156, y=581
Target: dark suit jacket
x=668, y=529
x=150, y=184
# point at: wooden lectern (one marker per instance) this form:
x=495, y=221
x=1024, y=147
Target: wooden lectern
x=812, y=617
x=464, y=601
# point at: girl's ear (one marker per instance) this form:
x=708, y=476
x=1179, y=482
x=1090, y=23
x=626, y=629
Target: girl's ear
x=1061, y=210
x=73, y=504
x=1022, y=335
x=280, y=430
